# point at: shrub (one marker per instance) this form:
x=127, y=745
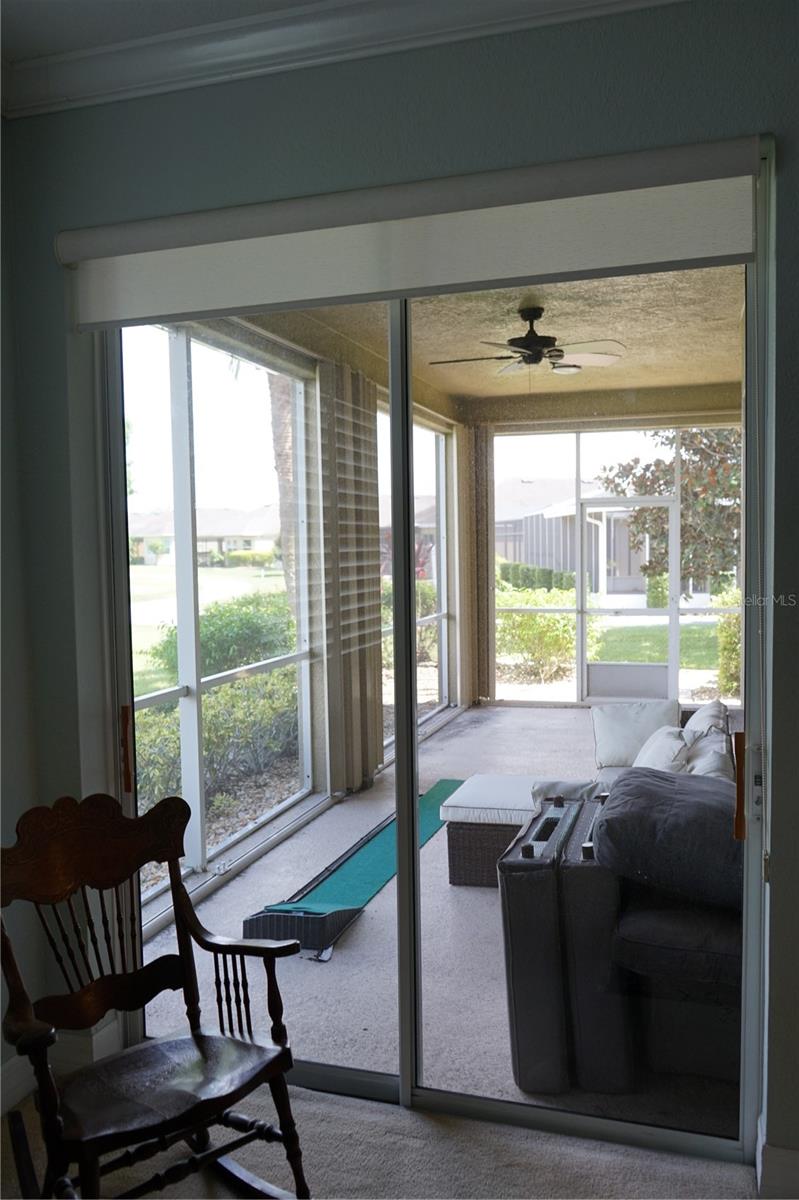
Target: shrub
x=657, y=591
x=543, y=643
x=234, y=632
x=249, y=558
x=247, y=725
x=157, y=755
x=426, y=605
x=515, y=574
x=504, y=571
x=729, y=641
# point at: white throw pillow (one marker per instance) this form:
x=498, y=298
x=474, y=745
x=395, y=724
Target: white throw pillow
x=665, y=750
x=709, y=716
x=710, y=755
x=620, y=730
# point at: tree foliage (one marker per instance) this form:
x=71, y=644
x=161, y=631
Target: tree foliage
x=710, y=516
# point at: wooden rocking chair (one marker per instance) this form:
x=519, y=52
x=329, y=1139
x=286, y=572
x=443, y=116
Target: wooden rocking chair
x=74, y=862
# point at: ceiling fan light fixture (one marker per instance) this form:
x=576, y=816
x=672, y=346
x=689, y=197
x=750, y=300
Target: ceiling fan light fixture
x=566, y=368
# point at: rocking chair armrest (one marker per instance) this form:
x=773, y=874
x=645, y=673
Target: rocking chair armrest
x=259, y=948
x=27, y=1033
x=254, y=948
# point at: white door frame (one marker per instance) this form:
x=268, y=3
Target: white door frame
x=407, y=1082
x=672, y=611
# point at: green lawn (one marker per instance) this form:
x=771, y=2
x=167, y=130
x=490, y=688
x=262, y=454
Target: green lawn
x=649, y=644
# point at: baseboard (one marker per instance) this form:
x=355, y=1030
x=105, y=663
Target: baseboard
x=70, y=1052
x=777, y=1169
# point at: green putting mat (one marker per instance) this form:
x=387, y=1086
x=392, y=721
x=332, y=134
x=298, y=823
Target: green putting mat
x=360, y=875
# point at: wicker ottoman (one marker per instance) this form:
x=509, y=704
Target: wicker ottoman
x=483, y=817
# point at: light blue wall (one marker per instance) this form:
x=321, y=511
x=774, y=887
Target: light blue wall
x=684, y=73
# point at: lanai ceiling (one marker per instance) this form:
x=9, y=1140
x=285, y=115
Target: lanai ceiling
x=681, y=328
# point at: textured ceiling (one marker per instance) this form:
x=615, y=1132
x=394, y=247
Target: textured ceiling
x=680, y=328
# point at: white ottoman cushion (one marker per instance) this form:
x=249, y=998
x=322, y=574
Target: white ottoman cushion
x=509, y=799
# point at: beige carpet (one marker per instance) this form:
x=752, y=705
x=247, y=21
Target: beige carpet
x=360, y=1149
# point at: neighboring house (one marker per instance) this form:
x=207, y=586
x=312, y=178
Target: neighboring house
x=535, y=523
x=219, y=531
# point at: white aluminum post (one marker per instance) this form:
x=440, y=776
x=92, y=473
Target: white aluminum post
x=442, y=580
x=188, y=636
x=581, y=665
x=405, y=744
x=302, y=586
x=675, y=577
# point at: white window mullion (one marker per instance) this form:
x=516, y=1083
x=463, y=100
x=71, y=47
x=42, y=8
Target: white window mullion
x=188, y=621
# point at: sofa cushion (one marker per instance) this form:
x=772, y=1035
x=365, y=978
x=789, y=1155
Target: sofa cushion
x=672, y=831
x=709, y=754
x=712, y=715
x=664, y=750
x=607, y=776
x=681, y=943
x=620, y=730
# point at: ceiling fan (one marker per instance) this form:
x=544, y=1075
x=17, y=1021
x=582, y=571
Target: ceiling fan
x=532, y=348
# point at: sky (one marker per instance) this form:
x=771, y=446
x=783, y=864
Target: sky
x=234, y=461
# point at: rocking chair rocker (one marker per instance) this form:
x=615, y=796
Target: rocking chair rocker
x=77, y=864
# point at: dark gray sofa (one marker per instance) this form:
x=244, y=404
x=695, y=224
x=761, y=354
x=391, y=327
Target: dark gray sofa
x=623, y=938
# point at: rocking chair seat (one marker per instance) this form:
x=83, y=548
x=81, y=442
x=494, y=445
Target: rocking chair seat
x=188, y=1081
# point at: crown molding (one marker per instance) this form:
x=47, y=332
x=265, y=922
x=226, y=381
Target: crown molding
x=324, y=31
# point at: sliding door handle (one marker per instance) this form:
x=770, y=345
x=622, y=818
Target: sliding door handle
x=125, y=721
x=739, y=750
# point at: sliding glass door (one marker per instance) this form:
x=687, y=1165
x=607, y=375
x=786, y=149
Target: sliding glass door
x=320, y=565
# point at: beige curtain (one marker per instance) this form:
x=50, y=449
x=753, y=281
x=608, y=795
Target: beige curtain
x=348, y=403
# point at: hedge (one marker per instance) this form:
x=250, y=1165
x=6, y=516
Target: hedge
x=657, y=591
x=524, y=575
x=247, y=725
x=249, y=558
x=729, y=640
x=235, y=632
x=426, y=636
x=542, y=643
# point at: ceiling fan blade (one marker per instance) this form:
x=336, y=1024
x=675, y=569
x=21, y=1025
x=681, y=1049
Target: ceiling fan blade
x=591, y=354
x=588, y=360
x=440, y=362
x=500, y=345
x=512, y=366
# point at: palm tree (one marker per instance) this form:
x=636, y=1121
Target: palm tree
x=281, y=404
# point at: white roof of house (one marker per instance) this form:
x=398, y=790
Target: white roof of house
x=518, y=498
x=212, y=523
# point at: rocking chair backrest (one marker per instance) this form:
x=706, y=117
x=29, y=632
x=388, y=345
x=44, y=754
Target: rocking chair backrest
x=76, y=863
